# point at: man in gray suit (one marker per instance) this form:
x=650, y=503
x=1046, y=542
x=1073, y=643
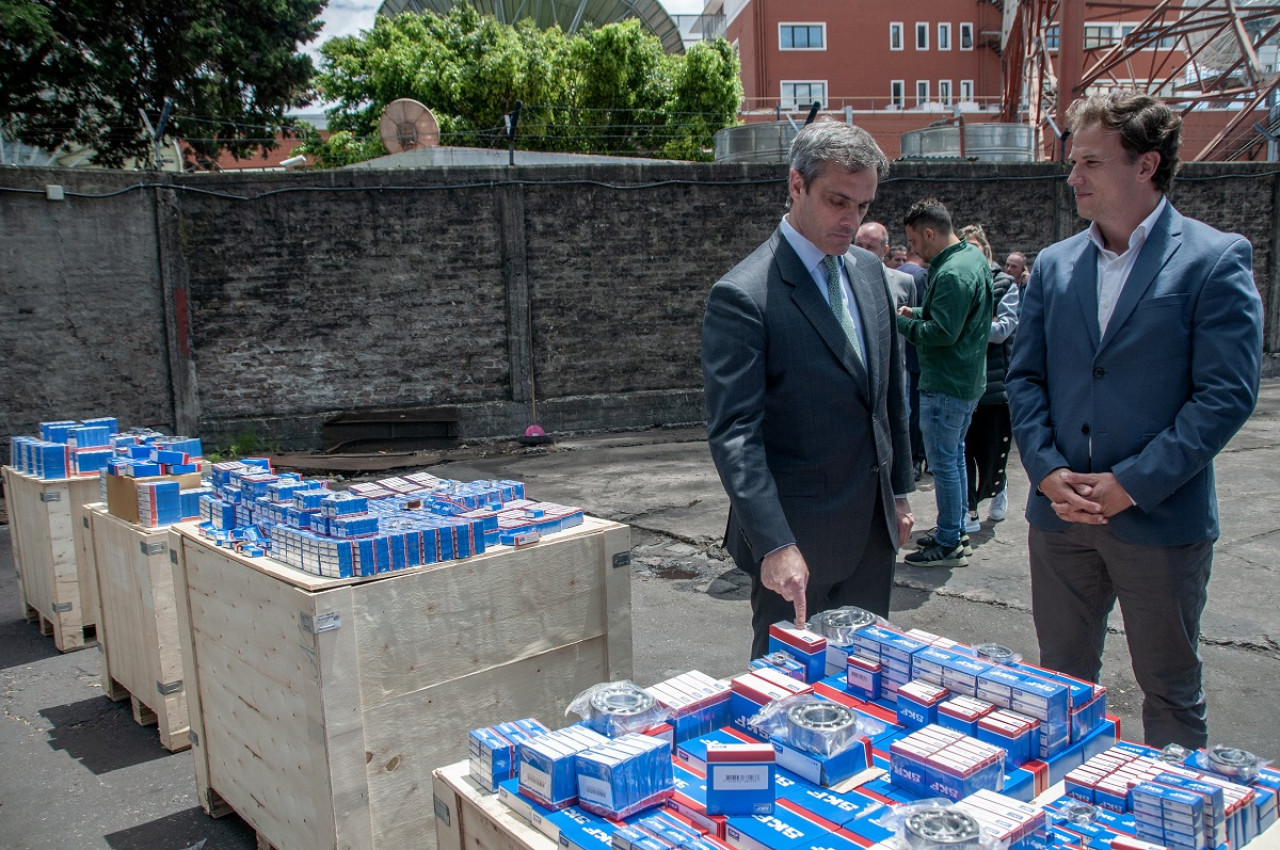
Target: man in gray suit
x=805, y=407
x=874, y=237
x=1138, y=357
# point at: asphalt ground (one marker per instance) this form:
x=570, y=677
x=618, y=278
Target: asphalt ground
x=77, y=772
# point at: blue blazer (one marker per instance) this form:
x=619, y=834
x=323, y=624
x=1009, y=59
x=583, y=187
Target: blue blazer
x=1158, y=396
x=806, y=438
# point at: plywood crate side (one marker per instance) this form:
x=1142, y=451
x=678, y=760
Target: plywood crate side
x=210, y=800
x=82, y=532
x=139, y=621
x=478, y=820
x=616, y=563
x=54, y=583
x=259, y=676
x=405, y=753
x=431, y=626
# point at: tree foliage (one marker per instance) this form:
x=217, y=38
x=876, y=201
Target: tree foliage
x=84, y=71
x=607, y=90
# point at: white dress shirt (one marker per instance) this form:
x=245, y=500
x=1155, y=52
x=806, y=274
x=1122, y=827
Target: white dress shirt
x=1114, y=269
x=812, y=257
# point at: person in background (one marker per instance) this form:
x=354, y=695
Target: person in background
x=1139, y=356
x=1015, y=266
x=806, y=411
x=990, y=434
x=897, y=258
x=949, y=330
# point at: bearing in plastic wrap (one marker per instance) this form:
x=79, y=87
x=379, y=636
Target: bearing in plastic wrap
x=1080, y=813
x=825, y=728
x=839, y=624
x=994, y=653
x=1233, y=763
x=619, y=709
x=948, y=829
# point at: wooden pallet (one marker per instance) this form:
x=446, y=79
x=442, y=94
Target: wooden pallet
x=52, y=553
x=320, y=707
x=138, y=628
x=469, y=818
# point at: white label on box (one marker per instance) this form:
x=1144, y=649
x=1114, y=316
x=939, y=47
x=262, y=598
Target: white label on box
x=536, y=780
x=739, y=777
x=594, y=790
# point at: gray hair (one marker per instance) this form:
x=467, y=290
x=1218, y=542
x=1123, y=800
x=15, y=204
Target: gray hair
x=849, y=147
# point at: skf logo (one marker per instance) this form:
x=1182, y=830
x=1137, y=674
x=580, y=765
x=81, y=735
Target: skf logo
x=780, y=827
x=909, y=775
x=597, y=832
x=576, y=817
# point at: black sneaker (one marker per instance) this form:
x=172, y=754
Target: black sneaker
x=929, y=539
x=938, y=556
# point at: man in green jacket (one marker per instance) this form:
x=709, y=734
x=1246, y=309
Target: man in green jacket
x=949, y=331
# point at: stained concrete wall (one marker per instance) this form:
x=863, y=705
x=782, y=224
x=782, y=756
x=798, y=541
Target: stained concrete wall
x=268, y=302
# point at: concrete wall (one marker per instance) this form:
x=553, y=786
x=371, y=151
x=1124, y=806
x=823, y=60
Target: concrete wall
x=217, y=305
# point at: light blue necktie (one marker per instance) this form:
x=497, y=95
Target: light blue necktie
x=835, y=294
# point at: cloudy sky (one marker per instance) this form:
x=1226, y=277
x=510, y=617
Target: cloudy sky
x=349, y=17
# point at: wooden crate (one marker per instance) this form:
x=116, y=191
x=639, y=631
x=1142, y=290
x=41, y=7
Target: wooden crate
x=319, y=707
x=138, y=624
x=52, y=550
x=469, y=818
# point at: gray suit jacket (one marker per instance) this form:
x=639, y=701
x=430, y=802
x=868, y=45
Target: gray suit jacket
x=1157, y=396
x=805, y=438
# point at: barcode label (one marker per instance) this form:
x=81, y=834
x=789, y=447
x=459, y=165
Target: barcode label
x=737, y=777
x=594, y=790
x=537, y=781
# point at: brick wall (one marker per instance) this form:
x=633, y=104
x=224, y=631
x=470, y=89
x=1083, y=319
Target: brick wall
x=268, y=302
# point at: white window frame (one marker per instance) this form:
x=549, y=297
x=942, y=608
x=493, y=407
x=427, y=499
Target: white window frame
x=794, y=104
x=966, y=91
x=898, y=93
x=966, y=26
x=922, y=36
x=944, y=92
x=821, y=25
x=897, y=28
x=944, y=36
x=922, y=92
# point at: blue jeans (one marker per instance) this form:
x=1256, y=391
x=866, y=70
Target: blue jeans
x=944, y=420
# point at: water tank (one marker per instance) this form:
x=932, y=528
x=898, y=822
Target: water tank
x=984, y=142
x=767, y=141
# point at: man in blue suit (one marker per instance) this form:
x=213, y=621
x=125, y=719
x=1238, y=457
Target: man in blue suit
x=806, y=414
x=1138, y=357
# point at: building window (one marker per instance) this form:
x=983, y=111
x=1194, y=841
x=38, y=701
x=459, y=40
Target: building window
x=966, y=36
x=944, y=92
x=922, y=36
x=1097, y=35
x=802, y=36
x=896, y=93
x=966, y=91
x=895, y=36
x=1051, y=37
x=800, y=94
x=944, y=36
x=922, y=92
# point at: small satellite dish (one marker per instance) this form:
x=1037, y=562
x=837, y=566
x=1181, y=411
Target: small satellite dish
x=406, y=125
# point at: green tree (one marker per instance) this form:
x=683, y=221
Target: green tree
x=608, y=90
x=84, y=72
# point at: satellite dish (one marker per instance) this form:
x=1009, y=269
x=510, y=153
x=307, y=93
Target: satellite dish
x=406, y=125
x=1224, y=50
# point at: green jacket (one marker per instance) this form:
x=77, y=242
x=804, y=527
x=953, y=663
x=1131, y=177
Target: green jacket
x=951, y=328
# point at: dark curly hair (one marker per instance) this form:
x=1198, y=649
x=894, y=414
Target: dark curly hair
x=1143, y=123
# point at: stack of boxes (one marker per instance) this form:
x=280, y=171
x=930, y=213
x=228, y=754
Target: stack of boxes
x=372, y=528
x=65, y=449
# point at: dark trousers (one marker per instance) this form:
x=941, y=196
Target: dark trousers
x=917, y=436
x=1078, y=574
x=868, y=586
